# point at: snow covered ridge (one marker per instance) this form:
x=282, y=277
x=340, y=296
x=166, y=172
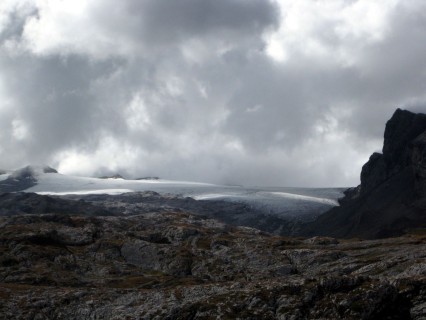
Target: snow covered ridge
x=284, y=201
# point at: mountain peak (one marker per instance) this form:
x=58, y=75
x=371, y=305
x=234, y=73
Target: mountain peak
x=403, y=127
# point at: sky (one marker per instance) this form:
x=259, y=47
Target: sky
x=249, y=92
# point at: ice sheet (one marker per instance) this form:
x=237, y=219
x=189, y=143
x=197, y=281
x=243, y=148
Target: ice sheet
x=283, y=201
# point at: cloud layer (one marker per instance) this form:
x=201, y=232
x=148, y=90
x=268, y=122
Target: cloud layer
x=249, y=92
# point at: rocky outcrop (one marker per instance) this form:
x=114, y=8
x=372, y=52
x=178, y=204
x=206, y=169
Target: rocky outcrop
x=404, y=148
x=392, y=195
x=115, y=176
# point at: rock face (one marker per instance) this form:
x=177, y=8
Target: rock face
x=392, y=194
x=404, y=148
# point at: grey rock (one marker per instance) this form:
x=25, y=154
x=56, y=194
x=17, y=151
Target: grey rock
x=321, y=240
x=142, y=254
x=418, y=311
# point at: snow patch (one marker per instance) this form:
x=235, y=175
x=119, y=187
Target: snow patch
x=304, y=198
x=100, y=191
x=209, y=196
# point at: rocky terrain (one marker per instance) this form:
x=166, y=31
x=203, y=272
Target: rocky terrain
x=176, y=265
x=391, y=198
x=233, y=213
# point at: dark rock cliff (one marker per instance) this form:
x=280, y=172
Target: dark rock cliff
x=392, y=195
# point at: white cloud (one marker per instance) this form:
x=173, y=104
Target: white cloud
x=137, y=114
x=111, y=154
x=330, y=31
x=19, y=130
x=255, y=92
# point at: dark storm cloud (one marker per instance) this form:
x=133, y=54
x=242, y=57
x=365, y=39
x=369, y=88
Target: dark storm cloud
x=228, y=91
x=65, y=100
x=52, y=97
x=166, y=21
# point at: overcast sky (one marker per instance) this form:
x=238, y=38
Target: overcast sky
x=253, y=92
